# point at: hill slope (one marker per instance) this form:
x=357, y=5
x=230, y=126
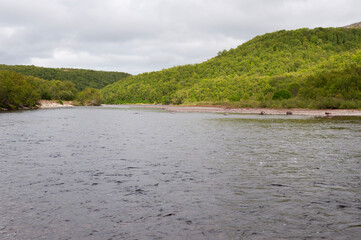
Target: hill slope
x=263, y=71
x=355, y=25
x=80, y=77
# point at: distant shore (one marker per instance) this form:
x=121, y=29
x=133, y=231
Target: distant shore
x=45, y=104
x=261, y=111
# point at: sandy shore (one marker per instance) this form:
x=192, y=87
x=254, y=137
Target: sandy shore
x=54, y=104
x=265, y=111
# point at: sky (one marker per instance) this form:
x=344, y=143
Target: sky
x=136, y=36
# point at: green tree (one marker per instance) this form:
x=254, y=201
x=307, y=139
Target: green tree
x=90, y=97
x=282, y=94
x=16, y=92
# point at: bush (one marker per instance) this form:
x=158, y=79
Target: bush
x=16, y=92
x=90, y=97
x=352, y=104
x=282, y=94
x=328, y=103
x=294, y=88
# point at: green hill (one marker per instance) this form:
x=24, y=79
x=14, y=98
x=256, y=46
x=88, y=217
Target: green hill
x=301, y=68
x=80, y=77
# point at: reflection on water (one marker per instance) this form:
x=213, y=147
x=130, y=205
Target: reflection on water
x=124, y=173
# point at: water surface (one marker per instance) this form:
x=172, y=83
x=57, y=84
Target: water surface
x=117, y=172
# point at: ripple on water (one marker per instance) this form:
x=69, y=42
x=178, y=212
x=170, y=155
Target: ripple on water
x=123, y=173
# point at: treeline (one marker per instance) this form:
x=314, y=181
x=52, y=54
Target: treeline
x=302, y=68
x=80, y=77
x=18, y=91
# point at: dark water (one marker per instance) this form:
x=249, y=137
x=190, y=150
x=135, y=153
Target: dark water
x=128, y=173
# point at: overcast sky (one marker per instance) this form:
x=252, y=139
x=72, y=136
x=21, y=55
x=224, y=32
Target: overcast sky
x=138, y=36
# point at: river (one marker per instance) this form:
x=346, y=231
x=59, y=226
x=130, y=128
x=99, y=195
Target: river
x=121, y=172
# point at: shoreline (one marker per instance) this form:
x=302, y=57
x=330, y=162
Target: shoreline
x=49, y=104
x=43, y=104
x=259, y=111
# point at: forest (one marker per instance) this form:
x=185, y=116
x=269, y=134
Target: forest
x=304, y=68
x=21, y=87
x=307, y=68
x=18, y=91
x=81, y=78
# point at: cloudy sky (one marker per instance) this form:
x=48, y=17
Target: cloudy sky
x=138, y=36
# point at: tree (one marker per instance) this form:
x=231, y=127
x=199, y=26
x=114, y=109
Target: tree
x=90, y=97
x=282, y=94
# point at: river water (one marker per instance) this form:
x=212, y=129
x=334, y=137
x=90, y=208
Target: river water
x=120, y=172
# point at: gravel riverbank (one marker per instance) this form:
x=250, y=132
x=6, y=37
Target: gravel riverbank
x=262, y=111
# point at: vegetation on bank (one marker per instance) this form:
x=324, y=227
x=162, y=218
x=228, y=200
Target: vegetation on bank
x=89, y=97
x=319, y=68
x=81, y=78
x=18, y=91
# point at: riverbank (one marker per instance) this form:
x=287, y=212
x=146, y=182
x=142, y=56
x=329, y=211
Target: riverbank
x=261, y=111
x=55, y=104
x=44, y=104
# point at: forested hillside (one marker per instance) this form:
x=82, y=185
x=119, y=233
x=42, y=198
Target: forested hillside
x=80, y=77
x=318, y=68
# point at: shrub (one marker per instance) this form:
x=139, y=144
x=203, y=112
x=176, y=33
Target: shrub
x=90, y=97
x=328, y=103
x=294, y=88
x=282, y=94
x=352, y=104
